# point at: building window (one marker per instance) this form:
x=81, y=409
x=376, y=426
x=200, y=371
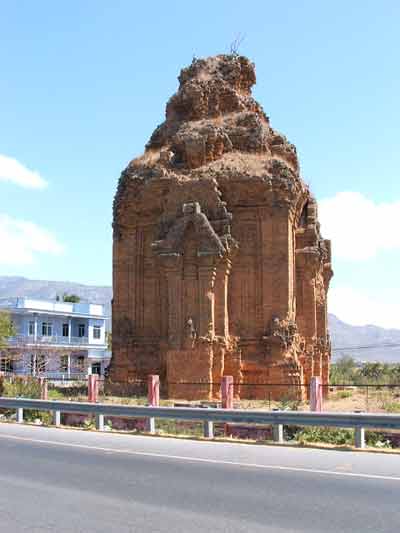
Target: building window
x=96, y=332
x=65, y=330
x=64, y=363
x=81, y=330
x=47, y=329
x=96, y=368
x=80, y=363
x=31, y=327
x=6, y=364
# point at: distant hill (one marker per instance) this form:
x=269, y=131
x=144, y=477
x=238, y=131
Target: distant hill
x=49, y=290
x=343, y=335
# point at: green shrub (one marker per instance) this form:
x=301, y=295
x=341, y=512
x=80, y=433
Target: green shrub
x=27, y=387
x=336, y=436
x=287, y=403
x=55, y=394
x=179, y=427
x=376, y=440
x=24, y=387
x=89, y=423
x=45, y=417
x=339, y=436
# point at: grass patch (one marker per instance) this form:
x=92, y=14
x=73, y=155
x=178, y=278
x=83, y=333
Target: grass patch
x=392, y=407
x=341, y=395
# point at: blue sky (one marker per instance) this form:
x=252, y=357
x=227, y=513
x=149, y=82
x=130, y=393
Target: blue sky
x=83, y=85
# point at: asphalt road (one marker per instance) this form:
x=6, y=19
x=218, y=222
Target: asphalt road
x=72, y=481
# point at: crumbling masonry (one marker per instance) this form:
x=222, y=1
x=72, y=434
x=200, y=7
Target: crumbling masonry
x=219, y=267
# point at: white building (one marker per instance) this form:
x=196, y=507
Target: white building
x=56, y=339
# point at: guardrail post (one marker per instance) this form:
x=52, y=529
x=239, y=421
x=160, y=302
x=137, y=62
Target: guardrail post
x=227, y=392
x=93, y=387
x=151, y=425
x=315, y=394
x=100, y=422
x=153, y=398
x=43, y=389
x=153, y=390
x=359, y=437
x=277, y=433
x=208, y=429
x=57, y=418
x=20, y=415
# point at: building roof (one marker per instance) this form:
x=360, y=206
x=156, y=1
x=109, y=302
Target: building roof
x=32, y=306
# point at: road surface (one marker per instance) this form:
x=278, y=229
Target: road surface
x=62, y=480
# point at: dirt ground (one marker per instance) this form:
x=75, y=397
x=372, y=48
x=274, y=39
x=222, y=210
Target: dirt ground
x=344, y=399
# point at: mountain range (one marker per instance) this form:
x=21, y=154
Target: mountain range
x=364, y=343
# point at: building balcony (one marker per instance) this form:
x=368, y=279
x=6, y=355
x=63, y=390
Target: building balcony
x=52, y=340
x=56, y=375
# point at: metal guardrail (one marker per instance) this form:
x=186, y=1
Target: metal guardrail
x=358, y=421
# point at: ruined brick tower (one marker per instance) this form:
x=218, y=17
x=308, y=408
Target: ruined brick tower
x=219, y=267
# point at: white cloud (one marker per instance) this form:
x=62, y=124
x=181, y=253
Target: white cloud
x=21, y=240
x=363, y=307
x=359, y=228
x=13, y=171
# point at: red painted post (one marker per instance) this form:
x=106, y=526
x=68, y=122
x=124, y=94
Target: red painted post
x=93, y=388
x=43, y=389
x=1, y=383
x=153, y=390
x=90, y=387
x=316, y=394
x=227, y=392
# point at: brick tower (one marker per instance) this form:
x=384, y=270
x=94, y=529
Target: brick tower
x=219, y=267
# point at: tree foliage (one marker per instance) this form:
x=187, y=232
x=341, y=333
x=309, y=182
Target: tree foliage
x=347, y=371
x=72, y=298
x=109, y=340
x=6, y=328
x=344, y=370
x=374, y=370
